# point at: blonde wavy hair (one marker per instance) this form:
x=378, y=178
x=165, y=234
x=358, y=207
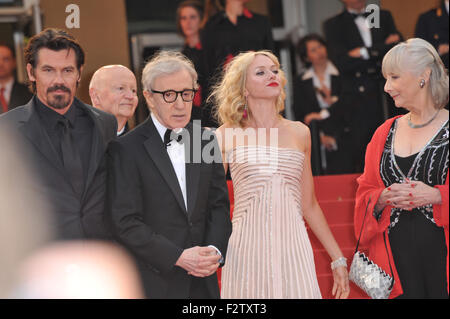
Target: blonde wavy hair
x=228, y=95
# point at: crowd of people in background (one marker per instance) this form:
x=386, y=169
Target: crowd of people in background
x=93, y=172
x=339, y=94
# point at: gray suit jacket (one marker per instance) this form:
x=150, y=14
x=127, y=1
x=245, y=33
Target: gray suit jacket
x=23, y=137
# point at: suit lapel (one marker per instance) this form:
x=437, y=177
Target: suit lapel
x=155, y=148
x=12, y=101
x=353, y=31
x=192, y=169
x=312, y=97
x=33, y=129
x=98, y=146
x=335, y=85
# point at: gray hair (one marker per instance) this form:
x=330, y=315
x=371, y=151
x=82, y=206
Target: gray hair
x=165, y=63
x=416, y=55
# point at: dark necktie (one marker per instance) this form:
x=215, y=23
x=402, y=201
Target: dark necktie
x=169, y=136
x=4, y=104
x=71, y=157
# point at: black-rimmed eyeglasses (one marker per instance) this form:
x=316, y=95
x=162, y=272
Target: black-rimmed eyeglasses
x=171, y=96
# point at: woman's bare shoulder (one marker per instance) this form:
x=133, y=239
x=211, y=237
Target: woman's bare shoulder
x=298, y=128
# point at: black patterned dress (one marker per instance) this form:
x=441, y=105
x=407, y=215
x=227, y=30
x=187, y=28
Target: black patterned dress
x=417, y=243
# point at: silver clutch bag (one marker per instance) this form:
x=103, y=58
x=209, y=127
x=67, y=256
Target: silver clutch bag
x=367, y=275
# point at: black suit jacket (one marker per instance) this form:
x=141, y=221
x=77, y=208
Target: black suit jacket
x=305, y=102
x=433, y=27
x=72, y=216
x=148, y=214
x=20, y=95
x=343, y=35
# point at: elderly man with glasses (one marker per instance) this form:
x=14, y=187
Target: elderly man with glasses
x=168, y=209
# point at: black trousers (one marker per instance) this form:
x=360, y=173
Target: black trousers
x=420, y=256
x=198, y=289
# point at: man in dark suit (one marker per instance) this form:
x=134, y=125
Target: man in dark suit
x=357, y=49
x=167, y=197
x=12, y=93
x=433, y=27
x=113, y=89
x=62, y=139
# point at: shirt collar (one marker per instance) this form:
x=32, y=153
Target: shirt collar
x=330, y=70
x=8, y=85
x=121, y=131
x=246, y=13
x=71, y=113
x=51, y=118
x=161, y=128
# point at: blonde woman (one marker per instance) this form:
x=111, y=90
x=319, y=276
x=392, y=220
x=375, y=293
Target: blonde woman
x=269, y=252
x=405, y=180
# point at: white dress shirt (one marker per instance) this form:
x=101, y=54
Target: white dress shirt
x=366, y=35
x=121, y=131
x=177, y=157
x=7, y=89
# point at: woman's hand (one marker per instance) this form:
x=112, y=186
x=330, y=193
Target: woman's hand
x=419, y=194
x=341, y=288
x=392, y=196
x=408, y=195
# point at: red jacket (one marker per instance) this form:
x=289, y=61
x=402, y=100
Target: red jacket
x=371, y=186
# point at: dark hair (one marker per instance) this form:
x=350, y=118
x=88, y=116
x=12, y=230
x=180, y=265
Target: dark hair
x=53, y=39
x=302, y=48
x=188, y=3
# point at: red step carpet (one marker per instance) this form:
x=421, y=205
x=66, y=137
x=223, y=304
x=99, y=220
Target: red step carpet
x=336, y=196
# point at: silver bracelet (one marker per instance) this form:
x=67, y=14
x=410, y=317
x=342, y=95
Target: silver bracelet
x=340, y=262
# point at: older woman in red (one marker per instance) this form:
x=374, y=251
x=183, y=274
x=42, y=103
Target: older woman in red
x=405, y=180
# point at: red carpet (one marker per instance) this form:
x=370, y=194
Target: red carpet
x=336, y=196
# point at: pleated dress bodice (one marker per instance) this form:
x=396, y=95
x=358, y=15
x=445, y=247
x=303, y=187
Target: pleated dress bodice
x=269, y=252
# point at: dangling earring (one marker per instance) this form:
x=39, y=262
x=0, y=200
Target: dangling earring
x=245, y=114
x=422, y=83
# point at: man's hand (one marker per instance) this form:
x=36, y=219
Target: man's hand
x=355, y=53
x=392, y=38
x=199, y=261
x=311, y=117
x=329, y=142
x=443, y=49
